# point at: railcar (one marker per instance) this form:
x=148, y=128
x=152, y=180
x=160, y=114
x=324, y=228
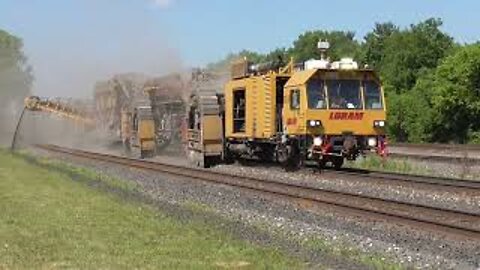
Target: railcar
x=321, y=111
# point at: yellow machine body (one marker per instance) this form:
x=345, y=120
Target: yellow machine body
x=138, y=130
x=257, y=116
x=334, y=121
x=146, y=134
x=208, y=139
x=204, y=130
x=326, y=112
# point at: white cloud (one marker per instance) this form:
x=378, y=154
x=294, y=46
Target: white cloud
x=163, y=3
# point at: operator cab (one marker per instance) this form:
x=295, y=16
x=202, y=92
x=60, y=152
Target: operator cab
x=338, y=107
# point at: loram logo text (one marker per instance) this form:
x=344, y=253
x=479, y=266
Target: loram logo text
x=346, y=115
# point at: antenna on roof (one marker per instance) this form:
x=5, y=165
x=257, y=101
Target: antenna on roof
x=323, y=46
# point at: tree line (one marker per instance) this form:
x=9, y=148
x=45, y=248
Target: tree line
x=432, y=83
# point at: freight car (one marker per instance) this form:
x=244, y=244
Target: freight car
x=322, y=111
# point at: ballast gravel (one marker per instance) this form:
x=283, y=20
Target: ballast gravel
x=321, y=235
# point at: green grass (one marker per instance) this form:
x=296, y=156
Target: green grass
x=48, y=221
x=401, y=165
x=389, y=165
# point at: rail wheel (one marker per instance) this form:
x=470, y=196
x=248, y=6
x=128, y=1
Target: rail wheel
x=322, y=163
x=337, y=162
x=266, y=154
x=228, y=157
x=289, y=157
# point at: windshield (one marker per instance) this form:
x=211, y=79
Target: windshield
x=316, y=95
x=373, y=95
x=344, y=94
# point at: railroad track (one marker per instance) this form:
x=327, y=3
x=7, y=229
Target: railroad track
x=454, y=223
x=454, y=183
x=438, y=146
x=438, y=158
x=458, y=153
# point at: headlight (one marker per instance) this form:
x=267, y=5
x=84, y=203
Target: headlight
x=372, y=141
x=314, y=123
x=317, y=141
x=379, y=123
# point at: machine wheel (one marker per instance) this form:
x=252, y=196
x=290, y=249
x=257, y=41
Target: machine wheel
x=228, y=157
x=266, y=154
x=289, y=157
x=337, y=162
x=322, y=163
x=209, y=162
x=146, y=154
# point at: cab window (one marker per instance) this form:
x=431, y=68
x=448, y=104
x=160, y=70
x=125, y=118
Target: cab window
x=373, y=95
x=295, y=99
x=344, y=94
x=316, y=95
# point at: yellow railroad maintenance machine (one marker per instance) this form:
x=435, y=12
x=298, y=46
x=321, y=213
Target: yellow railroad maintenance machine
x=321, y=111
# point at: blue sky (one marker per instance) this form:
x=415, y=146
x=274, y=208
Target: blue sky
x=73, y=43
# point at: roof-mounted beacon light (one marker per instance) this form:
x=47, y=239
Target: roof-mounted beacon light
x=323, y=47
x=323, y=63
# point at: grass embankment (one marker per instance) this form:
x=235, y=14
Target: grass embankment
x=49, y=221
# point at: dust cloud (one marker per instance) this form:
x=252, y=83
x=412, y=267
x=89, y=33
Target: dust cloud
x=15, y=81
x=68, y=64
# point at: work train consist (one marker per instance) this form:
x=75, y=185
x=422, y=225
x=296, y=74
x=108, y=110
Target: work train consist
x=320, y=111
x=143, y=113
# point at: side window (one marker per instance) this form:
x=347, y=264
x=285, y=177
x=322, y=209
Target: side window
x=373, y=95
x=295, y=99
x=316, y=94
x=239, y=110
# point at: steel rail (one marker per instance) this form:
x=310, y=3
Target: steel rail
x=437, y=146
x=456, y=183
x=450, y=221
x=437, y=158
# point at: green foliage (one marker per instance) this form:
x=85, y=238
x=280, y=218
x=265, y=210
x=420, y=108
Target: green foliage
x=224, y=64
x=455, y=96
x=406, y=60
x=343, y=44
x=390, y=165
x=410, y=113
x=408, y=54
x=444, y=104
x=374, y=46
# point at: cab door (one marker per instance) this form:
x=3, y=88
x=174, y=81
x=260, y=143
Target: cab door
x=292, y=111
